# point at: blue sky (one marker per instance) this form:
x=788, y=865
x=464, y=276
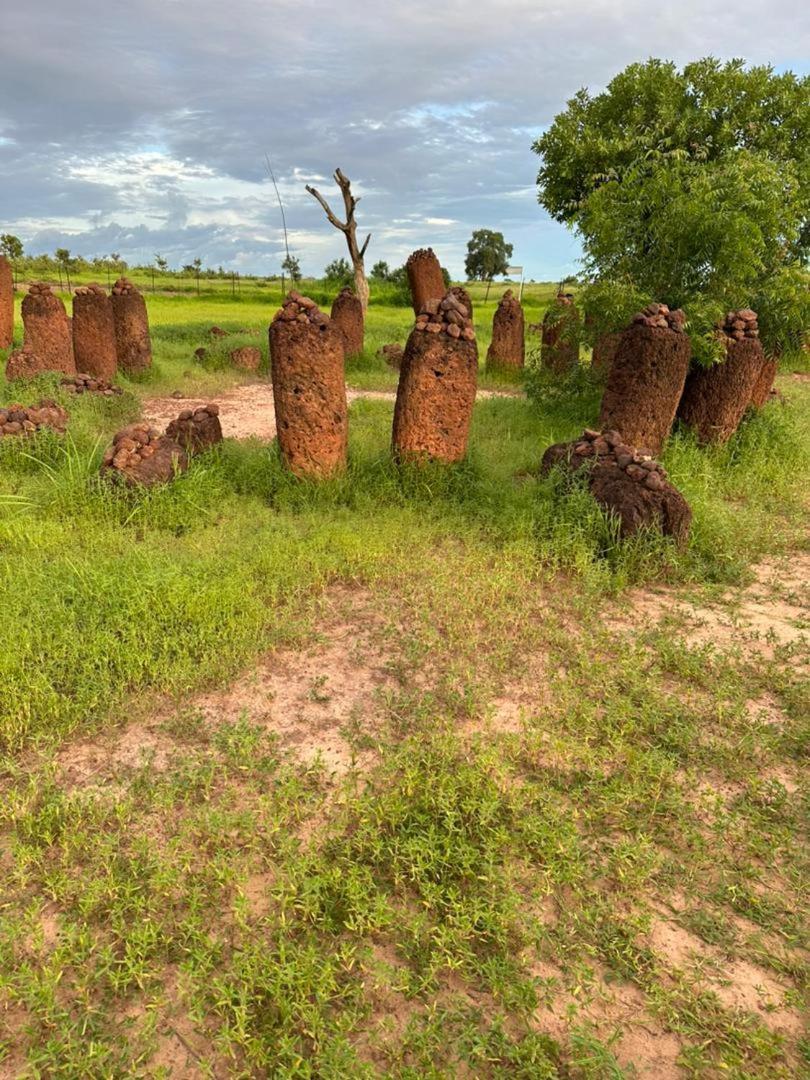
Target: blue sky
x=142, y=127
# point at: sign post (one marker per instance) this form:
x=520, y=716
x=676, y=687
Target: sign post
x=513, y=271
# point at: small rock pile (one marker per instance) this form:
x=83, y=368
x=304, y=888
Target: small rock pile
x=89, y=290
x=196, y=429
x=609, y=447
x=139, y=454
x=123, y=287
x=741, y=324
x=302, y=309
x=26, y=420
x=447, y=316
x=89, y=384
x=660, y=315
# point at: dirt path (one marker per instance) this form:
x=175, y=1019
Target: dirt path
x=247, y=411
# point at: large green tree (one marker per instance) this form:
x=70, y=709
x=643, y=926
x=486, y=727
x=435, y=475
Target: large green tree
x=488, y=255
x=691, y=186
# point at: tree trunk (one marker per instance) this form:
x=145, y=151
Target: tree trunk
x=349, y=230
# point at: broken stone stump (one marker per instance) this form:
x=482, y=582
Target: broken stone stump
x=647, y=377
x=392, y=355
x=626, y=482
x=347, y=315
x=309, y=389
x=425, y=278
x=28, y=419
x=507, y=352
x=132, y=341
x=46, y=330
x=94, y=348
x=246, y=357
x=140, y=456
x=23, y=364
x=196, y=429
x=6, y=303
x=559, y=351
x=715, y=398
x=437, y=384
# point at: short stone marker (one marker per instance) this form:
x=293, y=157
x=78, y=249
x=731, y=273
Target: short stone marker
x=46, y=330
x=132, y=341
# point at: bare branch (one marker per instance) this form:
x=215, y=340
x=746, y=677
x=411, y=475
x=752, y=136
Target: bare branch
x=326, y=208
x=365, y=245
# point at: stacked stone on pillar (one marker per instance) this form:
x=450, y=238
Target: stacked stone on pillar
x=437, y=384
x=196, y=430
x=715, y=398
x=347, y=315
x=425, y=278
x=46, y=330
x=94, y=347
x=507, y=351
x=132, y=341
x=647, y=377
x=561, y=331
x=6, y=303
x=463, y=297
x=309, y=389
x=139, y=456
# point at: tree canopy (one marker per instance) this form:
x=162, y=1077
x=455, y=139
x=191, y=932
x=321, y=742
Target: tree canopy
x=488, y=255
x=338, y=271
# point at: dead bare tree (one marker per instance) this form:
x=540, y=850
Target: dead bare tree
x=349, y=230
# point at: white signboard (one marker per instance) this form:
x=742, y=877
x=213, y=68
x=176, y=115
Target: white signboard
x=516, y=271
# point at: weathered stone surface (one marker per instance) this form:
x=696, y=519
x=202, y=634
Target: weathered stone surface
x=508, y=348
x=28, y=419
x=392, y=354
x=763, y=387
x=347, y=315
x=561, y=331
x=626, y=482
x=132, y=341
x=715, y=398
x=604, y=351
x=246, y=357
x=46, y=328
x=85, y=383
x=140, y=456
x=459, y=293
x=196, y=429
x=437, y=384
x=309, y=389
x=6, y=303
x=645, y=384
x=94, y=348
x=424, y=278
x=23, y=364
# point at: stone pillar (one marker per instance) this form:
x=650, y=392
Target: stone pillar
x=507, y=352
x=6, y=303
x=347, y=315
x=132, y=342
x=46, y=330
x=647, y=378
x=764, y=384
x=309, y=388
x=94, y=348
x=715, y=398
x=560, y=348
x=437, y=384
x=424, y=278
x=603, y=353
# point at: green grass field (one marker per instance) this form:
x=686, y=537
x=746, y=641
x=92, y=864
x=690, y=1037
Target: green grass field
x=408, y=774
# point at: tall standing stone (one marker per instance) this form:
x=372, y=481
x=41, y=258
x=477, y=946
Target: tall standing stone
x=507, y=352
x=425, y=278
x=309, y=388
x=132, y=342
x=46, y=330
x=94, y=347
x=647, y=377
x=437, y=384
x=6, y=303
x=561, y=331
x=347, y=315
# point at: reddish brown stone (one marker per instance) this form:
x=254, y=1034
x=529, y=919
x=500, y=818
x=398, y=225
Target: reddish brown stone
x=463, y=297
x=94, y=347
x=392, y=354
x=84, y=383
x=715, y=398
x=560, y=348
x=132, y=341
x=28, y=419
x=436, y=392
x=196, y=430
x=604, y=351
x=424, y=278
x=6, y=303
x=309, y=389
x=140, y=456
x=347, y=315
x=764, y=384
x=645, y=384
x=23, y=364
x=246, y=357
x=47, y=329
x=508, y=348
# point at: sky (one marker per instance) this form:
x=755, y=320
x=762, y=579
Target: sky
x=141, y=127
